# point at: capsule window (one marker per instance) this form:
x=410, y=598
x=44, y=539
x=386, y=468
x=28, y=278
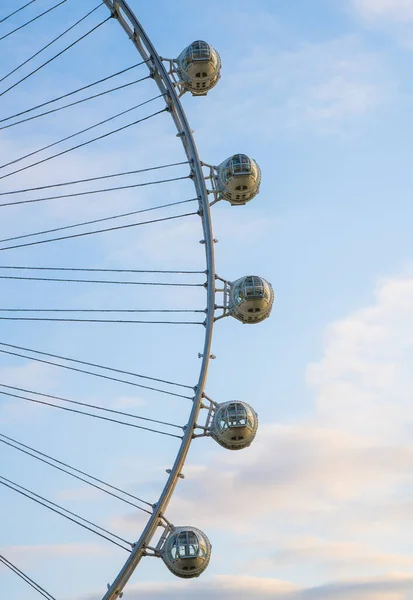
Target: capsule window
x=185, y=545
x=253, y=287
x=240, y=164
x=231, y=416
x=200, y=50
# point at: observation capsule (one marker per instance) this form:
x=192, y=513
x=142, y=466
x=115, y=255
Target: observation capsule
x=199, y=67
x=234, y=425
x=186, y=552
x=239, y=179
x=250, y=299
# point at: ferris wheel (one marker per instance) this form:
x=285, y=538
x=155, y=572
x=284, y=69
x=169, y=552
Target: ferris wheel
x=72, y=162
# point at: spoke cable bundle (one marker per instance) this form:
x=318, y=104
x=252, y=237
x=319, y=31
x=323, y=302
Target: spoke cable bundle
x=69, y=137
x=50, y=43
x=155, y=283
x=95, y=365
x=112, y=175
x=69, y=470
x=81, y=89
x=32, y=20
x=94, y=374
x=82, y=412
x=100, y=137
x=16, y=11
x=25, y=577
x=55, y=56
x=77, y=235
x=64, y=512
x=112, y=189
x=54, y=110
x=11, y=312
x=121, y=216
x=94, y=406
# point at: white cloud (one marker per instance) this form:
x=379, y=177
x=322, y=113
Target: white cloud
x=292, y=473
x=396, y=10
x=324, y=87
x=27, y=555
x=226, y=587
x=333, y=84
x=364, y=380
x=338, y=556
x=329, y=491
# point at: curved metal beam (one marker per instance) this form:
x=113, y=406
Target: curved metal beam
x=122, y=12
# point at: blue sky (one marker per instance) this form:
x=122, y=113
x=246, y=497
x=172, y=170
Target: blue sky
x=320, y=94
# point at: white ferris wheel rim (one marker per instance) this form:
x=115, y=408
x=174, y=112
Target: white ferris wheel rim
x=132, y=27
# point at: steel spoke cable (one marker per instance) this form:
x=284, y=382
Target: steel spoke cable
x=102, y=270
x=95, y=407
x=100, y=137
x=50, y=43
x=21, y=487
x=117, y=228
x=95, y=365
x=54, y=110
x=32, y=20
x=123, y=112
x=55, y=56
x=155, y=283
x=23, y=578
x=35, y=497
x=81, y=89
x=16, y=11
x=105, y=310
x=39, y=458
x=45, y=187
x=125, y=321
x=81, y=412
x=113, y=487
x=26, y=578
x=113, y=217
x=112, y=189
x=77, y=370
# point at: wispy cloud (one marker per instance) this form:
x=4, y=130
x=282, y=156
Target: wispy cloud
x=35, y=553
x=395, y=10
x=346, y=467
x=225, y=587
x=320, y=87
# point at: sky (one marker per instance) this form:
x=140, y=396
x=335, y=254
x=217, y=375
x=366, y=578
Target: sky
x=320, y=506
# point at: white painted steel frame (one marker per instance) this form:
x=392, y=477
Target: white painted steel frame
x=122, y=12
